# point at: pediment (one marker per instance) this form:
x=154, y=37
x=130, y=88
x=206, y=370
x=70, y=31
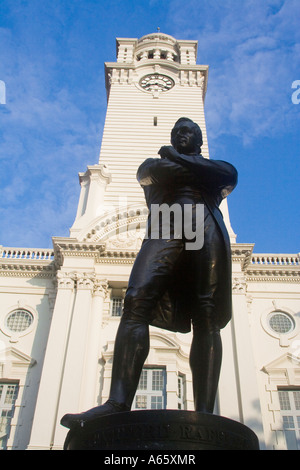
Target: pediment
x=166, y=343
x=161, y=340
x=16, y=357
x=158, y=341
x=282, y=363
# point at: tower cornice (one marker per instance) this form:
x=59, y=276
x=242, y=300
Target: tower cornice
x=156, y=52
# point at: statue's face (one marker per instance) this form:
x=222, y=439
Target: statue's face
x=184, y=138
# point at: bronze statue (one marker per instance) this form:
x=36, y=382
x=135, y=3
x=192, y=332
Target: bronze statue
x=171, y=286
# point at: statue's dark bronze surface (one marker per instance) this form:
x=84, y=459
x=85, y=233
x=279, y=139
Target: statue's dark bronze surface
x=172, y=287
x=162, y=430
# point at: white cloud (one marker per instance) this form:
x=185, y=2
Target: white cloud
x=251, y=47
x=46, y=138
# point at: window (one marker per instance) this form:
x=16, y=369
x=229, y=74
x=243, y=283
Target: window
x=116, y=306
x=181, y=392
x=19, y=320
x=281, y=322
x=289, y=400
x=151, y=391
x=8, y=396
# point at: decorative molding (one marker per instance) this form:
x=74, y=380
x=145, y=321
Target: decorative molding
x=85, y=281
x=161, y=343
x=266, y=267
x=273, y=277
x=279, y=368
x=70, y=247
x=27, y=262
x=115, y=239
x=157, y=36
x=95, y=172
x=100, y=287
x=14, y=362
x=192, y=78
x=117, y=258
x=82, y=280
x=27, y=272
x=239, y=285
x=64, y=280
x=241, y=253
x=121, y=74
x=116, y=222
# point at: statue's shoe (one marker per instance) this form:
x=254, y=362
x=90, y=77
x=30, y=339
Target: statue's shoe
x=80, y=419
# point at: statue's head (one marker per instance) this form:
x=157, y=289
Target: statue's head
x=186, y=137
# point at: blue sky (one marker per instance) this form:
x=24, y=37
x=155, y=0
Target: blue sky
x=52, y=56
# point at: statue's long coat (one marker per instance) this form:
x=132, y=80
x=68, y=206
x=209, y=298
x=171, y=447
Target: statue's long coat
x=214, y=180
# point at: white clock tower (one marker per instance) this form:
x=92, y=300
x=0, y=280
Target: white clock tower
x=154, y=82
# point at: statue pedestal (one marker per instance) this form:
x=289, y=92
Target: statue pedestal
x=162, y=430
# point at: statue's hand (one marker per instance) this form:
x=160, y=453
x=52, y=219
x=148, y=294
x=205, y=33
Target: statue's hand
x=167, y=151
x=163, y=152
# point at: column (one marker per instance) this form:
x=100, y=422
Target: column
x=247, y=386
x=90, y=380
x=72, y=380
x=228, y=401
x=48, y=397
x=156, y=54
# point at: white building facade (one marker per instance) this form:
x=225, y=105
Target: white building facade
x=60, y=307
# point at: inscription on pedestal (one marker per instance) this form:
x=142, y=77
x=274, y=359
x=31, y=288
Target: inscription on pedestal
x=163, y=430
x=167, y=432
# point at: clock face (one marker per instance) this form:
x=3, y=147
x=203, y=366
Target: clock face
x=156, y=81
